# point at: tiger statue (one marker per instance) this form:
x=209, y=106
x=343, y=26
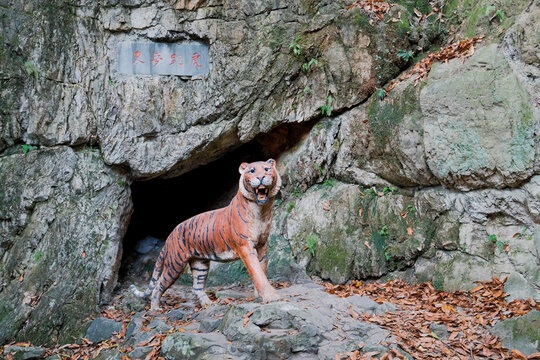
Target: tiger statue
x=237, y=231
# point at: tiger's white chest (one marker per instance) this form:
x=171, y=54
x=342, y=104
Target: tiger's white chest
x=260, y=224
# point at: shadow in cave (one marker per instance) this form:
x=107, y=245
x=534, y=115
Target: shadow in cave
x=161, y=204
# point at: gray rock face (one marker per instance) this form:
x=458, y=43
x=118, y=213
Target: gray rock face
x=64, y=207
x=521, y=333
x=193, y=345
x=62, y=216
x=24, y=353
x=180, y=123
x=102, y=329
x=474, y=138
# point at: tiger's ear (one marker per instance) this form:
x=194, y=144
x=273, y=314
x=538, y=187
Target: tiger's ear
x=271, y=162
x=242, y=167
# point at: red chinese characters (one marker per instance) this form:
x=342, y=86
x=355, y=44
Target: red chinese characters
x=157, y=58
x=195, y=60
x=173, y=59
x=136, y=56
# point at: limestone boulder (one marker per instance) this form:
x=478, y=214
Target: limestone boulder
x=62, y=217
x=476, y=138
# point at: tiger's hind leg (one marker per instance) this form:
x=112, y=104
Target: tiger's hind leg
x=168, y=277
x=199, y=270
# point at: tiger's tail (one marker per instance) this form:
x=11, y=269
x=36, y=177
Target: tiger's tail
x=155, y=277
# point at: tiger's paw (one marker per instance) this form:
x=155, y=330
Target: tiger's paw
x=270, y=296
x=205, y=301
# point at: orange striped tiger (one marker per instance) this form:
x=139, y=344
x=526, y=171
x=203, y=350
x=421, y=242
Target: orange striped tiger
x=238, y=231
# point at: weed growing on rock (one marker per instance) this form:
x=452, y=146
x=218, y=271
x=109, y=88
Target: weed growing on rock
x=307, y=65
x=328, y=107
x=26, y=148
x=290, y=206
x=295, y=46
x=311, y=241
x=405, y=54
x=31, y=69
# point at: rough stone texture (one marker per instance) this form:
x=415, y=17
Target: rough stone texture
x=193, y=345
x=521, y=333
x=164, y=124
x=302, y=327
x=472, y=126
x=102, y=329
x=522, y=48
x=62, y=216
x=24, y=353
x=385, y=138
x=476, y=138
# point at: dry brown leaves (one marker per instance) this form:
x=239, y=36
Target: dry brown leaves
x=461, y=49
x=466, y=315
x=375, y=8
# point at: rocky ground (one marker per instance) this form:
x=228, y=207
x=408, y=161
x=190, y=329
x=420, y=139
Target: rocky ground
x=311, y=321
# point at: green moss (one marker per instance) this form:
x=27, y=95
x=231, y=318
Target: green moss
x=333, y=258
x=421, y=5
x=403, y=28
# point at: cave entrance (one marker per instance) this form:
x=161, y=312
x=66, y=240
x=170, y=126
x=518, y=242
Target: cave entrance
x=161, y=204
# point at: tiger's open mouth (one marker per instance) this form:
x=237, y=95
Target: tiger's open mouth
x=262, y=194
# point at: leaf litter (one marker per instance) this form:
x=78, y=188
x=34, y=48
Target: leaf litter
x=466, y=315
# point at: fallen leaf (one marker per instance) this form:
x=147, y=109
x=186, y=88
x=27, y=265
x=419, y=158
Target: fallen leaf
x=83, y=254
x=326, y=205
x=367, y=244
x=360, y=212
x=246, y=317
x=516, y=354
x=352, y=313
x=21, y=278
x=410, y=231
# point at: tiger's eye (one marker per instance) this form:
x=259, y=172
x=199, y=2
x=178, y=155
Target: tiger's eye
x=252, y=170
x=266, y=169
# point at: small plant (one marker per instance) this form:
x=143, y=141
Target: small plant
x=497, y=13
x=306, y=66
x=388, y=190
x=501, y=246
x=296, y=192
x=311, y=241
x=381, y=93
x=26, y=148
x=278, y=202
x=411, y=208
x=386, y=256
x=384, y=231
x=321, y=170
x=328, y=183
x=111, y=83
x=405, y=54
x=31, y=69
x=307, y=91
x=290, y=206
x=37, y=256
x=328, y=107
x=295, y=46
x=121, y=183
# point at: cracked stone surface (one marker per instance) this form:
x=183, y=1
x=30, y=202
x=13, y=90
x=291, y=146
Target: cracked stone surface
x=437, y=183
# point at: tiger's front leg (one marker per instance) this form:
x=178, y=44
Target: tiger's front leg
x=250, y=259
x=199, y=270
x=263, y=260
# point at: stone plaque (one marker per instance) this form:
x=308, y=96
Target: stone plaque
x=151, y=58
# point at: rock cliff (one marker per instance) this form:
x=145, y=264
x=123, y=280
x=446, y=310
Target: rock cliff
x=436, y=181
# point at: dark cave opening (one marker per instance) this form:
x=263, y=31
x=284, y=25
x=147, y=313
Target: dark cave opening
x=162, y=203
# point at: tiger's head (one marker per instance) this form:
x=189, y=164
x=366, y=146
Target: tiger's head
x=259, y=181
